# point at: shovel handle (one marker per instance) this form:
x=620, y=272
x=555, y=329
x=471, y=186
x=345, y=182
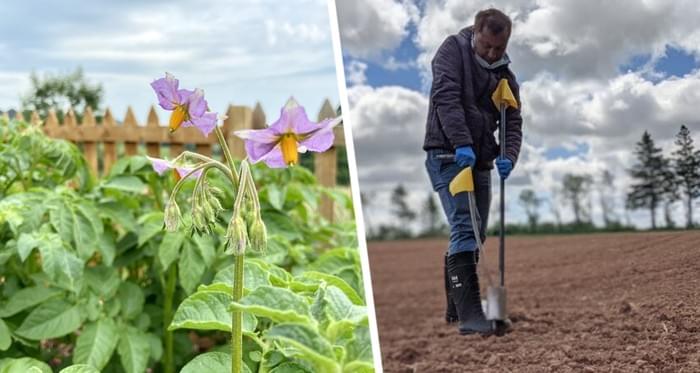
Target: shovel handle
x=502, y=242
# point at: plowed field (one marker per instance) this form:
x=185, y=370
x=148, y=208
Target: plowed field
x=598, y=303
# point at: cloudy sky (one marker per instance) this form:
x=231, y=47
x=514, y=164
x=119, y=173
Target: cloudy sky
x=239, y=52
x=594, y=75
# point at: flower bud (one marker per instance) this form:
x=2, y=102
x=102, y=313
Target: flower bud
x=172, y=215
x=237, y=236
x=258, y=235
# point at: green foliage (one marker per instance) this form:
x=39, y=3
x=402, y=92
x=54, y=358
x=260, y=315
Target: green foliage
x=650, y=175
x=60, y=91
x=90, y=278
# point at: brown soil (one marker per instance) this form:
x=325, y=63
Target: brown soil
x=579, y=303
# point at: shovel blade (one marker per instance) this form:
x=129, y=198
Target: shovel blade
x=496, y=303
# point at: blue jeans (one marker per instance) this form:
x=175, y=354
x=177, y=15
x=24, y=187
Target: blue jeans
x=441, y=172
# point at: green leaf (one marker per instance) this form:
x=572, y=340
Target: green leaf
x=87, y=228
x=277, y=304
x=26, y=243
x=359, y=347
x=169, y=249
x=52, y=319
x=156, y=346
x=62, y=266
x=104, y=280
x=27, y=298
x=61, y=217
x=134, y=350
x=208, y=310
x=206, y=247
x=150, y=225
x=131, y=298
x=191, y=268
x=137, y=162
x=107, y=247
x=130, y=184
x=24, y=365
x=79, y=368
x=275, y=195
x=96, y=344
x=212, y=362
x=337, y=282
x=359, y=367
x=312, y=346
x=289, y=367
x=5, y=339
x=339, y=307
x=254, y=275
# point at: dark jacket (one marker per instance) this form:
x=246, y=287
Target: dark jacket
x=461, y=112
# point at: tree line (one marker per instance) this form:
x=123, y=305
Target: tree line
x=659, y=182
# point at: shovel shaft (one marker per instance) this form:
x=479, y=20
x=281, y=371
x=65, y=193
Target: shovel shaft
x=502, y=243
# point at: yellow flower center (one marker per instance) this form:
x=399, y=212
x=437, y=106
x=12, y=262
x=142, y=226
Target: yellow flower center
x=178, y=116
x=289, y=149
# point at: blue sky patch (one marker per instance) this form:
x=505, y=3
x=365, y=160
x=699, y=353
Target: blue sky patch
x=564, y=153
x=676, y=62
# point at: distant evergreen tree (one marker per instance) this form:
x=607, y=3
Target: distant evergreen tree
x=649, y=175
x=60, y=91
x=686, y=166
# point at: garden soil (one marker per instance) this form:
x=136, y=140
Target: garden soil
x=579, y=303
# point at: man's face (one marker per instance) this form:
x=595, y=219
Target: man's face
x=490, y=47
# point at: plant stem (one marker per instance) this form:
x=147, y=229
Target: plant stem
x=227, y=152
x=168, y=364
x=237, y=318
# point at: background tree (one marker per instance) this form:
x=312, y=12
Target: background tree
x=400, y=208
x=607, y=198
x=531, y=204
x=686, y=166
x=431, y=214
x=61, y=91
x=671, y=191
x=648, y=174
x=554, y=205
x=576, y=189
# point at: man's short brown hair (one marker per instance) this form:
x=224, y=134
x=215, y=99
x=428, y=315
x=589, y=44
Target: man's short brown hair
x=494, y=20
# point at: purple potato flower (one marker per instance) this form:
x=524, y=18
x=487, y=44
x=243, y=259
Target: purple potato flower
x=279, y=144
x=189, y=107
x=163, y=165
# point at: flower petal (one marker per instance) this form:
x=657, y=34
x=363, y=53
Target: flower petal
x=160, y=165
x=183, y=171
x=274, y=158
x=206, y=123
x=320, y=139
x=197, y=105
x=258, y=142
x=166, y=90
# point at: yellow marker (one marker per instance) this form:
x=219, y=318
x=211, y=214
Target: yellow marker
x=463, y=182
x=503, y=94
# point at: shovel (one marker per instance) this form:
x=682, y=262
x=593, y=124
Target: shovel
x=495, y=309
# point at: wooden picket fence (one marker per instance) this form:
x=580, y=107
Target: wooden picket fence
x=157, y=138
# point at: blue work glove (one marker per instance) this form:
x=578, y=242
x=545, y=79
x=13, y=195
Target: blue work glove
x=464, y=156
x=505, y=166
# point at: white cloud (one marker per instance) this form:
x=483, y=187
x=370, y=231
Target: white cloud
x=571, y=39
x=370, y=27
x=238, y=52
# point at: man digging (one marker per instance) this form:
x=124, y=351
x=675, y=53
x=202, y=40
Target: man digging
x=462, y=119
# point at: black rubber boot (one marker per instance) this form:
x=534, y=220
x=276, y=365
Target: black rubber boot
x=451, y=311
x=466, y=295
